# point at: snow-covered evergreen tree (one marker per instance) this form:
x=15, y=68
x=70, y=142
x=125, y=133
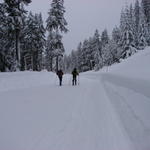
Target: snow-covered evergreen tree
x=85, y=55
x=41, y=42
x=54, y=49
x=79, y=55
x=56, y=24
x=97, y=51
x=91, y=52
x=146, y=8
x=74, y=60
x=7, y=43
x=65, y=63
x=3, y=38
x=105, y=41
x=116, y=35
x=145, y=12
x=136, y=22
x=143, y=31
x=132, y=23
x=15, y=10
x=104, y=38
x=111, y=53
x=128, y=40
x=34, y=42
x=116, y=41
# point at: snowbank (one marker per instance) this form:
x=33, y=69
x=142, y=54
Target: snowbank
x=20, y=80
x=127, y=86
x=136, y=67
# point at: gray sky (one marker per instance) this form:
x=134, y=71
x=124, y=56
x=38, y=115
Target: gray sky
x=84, y=16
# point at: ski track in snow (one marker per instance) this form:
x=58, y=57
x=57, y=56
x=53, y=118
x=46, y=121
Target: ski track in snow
x=137, y=85
x=59, y=118
x=83, y=129
x=132, y=112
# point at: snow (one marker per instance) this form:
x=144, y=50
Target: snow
x=108, y=110
x=21, y=80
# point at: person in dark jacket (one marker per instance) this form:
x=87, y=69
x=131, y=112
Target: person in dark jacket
x=60, y=76
x=74, y=75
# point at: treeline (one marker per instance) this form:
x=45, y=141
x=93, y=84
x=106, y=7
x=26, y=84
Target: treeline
x=23, y=44
x=101, y=50
x=22, y=37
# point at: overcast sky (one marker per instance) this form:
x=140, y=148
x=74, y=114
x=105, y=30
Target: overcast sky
x=84, y=16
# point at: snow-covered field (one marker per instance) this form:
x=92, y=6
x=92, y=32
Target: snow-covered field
x=108, y=110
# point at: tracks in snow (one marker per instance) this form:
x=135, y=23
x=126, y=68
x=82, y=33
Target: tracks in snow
x=131, y=99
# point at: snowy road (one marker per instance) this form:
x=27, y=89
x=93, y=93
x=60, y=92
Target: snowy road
x=132, y=103
x=107, y=111
x=59, y=118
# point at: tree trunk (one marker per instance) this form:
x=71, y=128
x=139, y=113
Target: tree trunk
x=57, y=63
x=32, y=66
x=18, y=49
x=51, y=64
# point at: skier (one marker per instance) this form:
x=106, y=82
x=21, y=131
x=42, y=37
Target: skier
x=74, y=75
x=60, y=76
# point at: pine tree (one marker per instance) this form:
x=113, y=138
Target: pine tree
x=145, y=10
x=56, y=24
x=116, y=41
x=15, y=10
x=3, y=37
x=104, y=38
x=143, y=31
x=122, y=20
x=136, y=22
x=127, y=40
x=132, y=23
x=7, y=45
x=111, y=53
x=105, y=41
x=85, y=56
x=65, y=63
x=79, y=55
x=91, y=52
x=74, y=60
x=34, y=42
x=97, y=50
x=116, y=35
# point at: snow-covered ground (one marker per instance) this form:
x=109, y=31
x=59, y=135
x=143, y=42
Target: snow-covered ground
x=108, y=110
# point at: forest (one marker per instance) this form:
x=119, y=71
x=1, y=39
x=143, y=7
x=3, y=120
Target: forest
x=27, y=44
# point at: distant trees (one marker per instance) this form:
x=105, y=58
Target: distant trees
x=56, y=24
x=131, y=35
x=97, y=62
x=127, y=33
